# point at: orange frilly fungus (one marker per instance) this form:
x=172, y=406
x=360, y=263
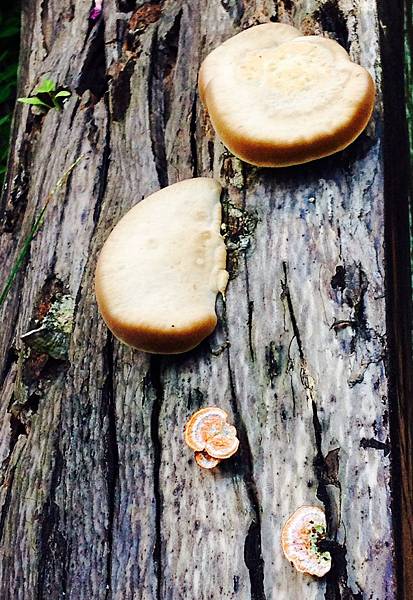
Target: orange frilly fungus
x=300, y=537
x=204, y=460
x=209, y=435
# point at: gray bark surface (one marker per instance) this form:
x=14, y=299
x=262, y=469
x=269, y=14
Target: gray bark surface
x=99, y=497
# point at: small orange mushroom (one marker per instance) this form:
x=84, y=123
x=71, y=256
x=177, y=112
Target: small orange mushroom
x=223, y=444
x=204, y=460
x=300, y=537
x=210, y=436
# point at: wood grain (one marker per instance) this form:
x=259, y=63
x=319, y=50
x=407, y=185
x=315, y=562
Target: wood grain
x=99, y=497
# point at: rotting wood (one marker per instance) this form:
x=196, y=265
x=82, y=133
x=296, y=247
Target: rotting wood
x=99, y=496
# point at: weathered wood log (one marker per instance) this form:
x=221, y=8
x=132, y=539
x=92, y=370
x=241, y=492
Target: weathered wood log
x=99, y=498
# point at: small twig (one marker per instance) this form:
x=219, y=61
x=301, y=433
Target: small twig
x=36, y=226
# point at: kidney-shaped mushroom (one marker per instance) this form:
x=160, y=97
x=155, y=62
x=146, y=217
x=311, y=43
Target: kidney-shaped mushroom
x=161, y=268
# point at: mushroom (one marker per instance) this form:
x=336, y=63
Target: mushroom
x=204, y=460
x=210, y=436
x=161, y=268
x=300, y=537
x=278, y=98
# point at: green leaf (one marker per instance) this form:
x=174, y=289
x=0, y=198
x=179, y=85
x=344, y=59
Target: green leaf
x=56, y=103
x=63, y=94
x=45, y=87
x=33, y=101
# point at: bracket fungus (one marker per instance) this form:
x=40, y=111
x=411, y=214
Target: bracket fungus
x=278, y=98
x=210, y=436
x=300, y=537
x=204, y=460
x=161, y=268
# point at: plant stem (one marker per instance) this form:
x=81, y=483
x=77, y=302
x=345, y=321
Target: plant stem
x=36, y=226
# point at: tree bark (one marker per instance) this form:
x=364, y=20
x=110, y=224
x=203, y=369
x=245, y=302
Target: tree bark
x=99, y=497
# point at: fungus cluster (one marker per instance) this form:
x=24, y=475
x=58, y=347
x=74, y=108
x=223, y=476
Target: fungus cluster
x=275, y=98
x=300, y=539
x=209, y=435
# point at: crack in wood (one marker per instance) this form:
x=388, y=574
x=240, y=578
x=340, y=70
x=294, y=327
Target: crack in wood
x=154, y=378
x=11, y=357
x=398, y=273
x=211, y=155
x=92, y=74
x=244, y=463
x=285, y=295
x=192, y=135
x=125, y=6
x=7, y=500
x=157, y=114
x=326, y=469
x=235, y=9
x=44, y=24
x=333, y=21
x=376, y=444
x=17, y=428
x=15, y=202
x=120, y=88
x=273, y=357
x=111, y=454
x=162, y=64
x=103, y=170
x=53, y=551
x=74, y=112
x=250, y=311
x=306, y=378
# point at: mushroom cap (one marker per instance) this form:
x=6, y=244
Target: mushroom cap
x=204, y=460
x=277, y=98
x=161, y=268
x=299, y=538
x=207, y=431
x=203, y=425
x=223, y=444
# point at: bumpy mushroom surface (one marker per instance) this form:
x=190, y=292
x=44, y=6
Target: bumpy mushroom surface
x=207, y=431
x=224, y=444
x=277, y=98
x=300, y=537
x=161, y=268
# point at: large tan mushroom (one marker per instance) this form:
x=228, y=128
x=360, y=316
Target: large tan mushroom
x=161, y=268
x=277, y=98
x=300, y=537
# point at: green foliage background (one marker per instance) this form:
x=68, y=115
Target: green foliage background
x=9, y=61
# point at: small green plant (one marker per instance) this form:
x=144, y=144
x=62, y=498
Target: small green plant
x=46, y=96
